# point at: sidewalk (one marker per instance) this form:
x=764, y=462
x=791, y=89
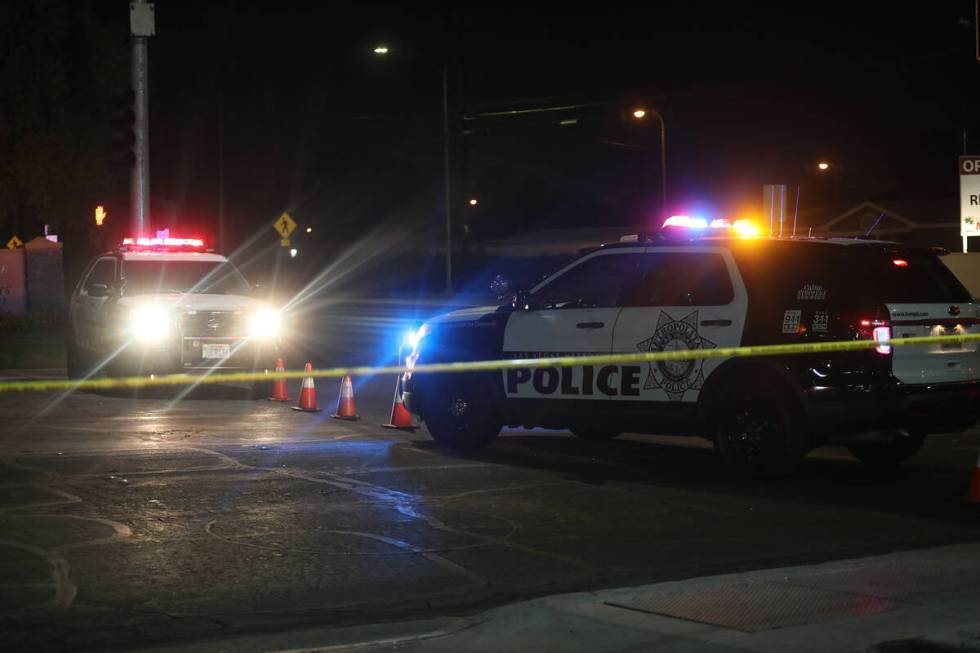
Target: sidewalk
x=926, y=600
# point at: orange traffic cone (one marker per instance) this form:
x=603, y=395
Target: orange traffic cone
x=279, y=391
x=973, y=494
x=345, y=403
x=400, y=419
x=307, y=394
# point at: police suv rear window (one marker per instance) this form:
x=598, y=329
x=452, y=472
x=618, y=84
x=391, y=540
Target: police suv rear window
x=903, y=279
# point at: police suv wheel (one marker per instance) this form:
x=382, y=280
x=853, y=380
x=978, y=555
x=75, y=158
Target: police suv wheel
x=758, y=430
x=261, y=389
x=888, y=454
x=75, y=363
x=460, y=414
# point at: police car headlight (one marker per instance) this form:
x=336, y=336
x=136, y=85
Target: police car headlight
x=265, y=323
x=150, y=324
x=414, y=340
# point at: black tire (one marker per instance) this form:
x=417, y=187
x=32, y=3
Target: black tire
x=460, y=412
x=596, y=434
x=758, y=428
x=260, y=390
x=888, y=454
x=74, y=360
x=77, y=364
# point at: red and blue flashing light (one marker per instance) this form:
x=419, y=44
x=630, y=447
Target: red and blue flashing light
x=164, y=243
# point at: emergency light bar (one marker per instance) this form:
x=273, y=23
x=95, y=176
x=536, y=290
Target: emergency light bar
x=143, y=241
x=742, y=228
x=685, y=222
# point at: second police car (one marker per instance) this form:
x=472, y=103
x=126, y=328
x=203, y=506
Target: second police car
x=165, y=305
x=681, y=288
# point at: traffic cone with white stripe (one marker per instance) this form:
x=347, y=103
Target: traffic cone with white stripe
x=307, y=394
x=973, y=494
x=345, y=403
x=400, y=419
x=279, y=391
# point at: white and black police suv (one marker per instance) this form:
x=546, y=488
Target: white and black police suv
x=164, y=305
x=676, y=290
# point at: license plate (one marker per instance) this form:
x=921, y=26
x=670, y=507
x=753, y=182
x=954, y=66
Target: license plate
x=215, y=351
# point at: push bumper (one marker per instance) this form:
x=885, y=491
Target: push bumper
x=189, y=354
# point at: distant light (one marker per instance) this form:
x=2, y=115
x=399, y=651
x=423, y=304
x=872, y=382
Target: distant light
x=900, y=263
x=686, y=222
x=293, y=252
x=381, y=49
x=639, y=113
x=100, y=215
x=309, y=230
x=474, y=201
x=823, y=165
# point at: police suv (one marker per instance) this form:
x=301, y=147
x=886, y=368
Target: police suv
x=164, y=305
x=687, y=289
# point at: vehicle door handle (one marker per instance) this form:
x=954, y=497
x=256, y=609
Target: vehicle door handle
x=590, y=325
x=716, y=322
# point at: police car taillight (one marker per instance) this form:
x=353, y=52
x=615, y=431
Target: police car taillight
x=877, y=330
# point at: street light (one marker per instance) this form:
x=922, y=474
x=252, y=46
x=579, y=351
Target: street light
x=309, y=230
x=640, y=113
x=832, y=169
x=474, y=201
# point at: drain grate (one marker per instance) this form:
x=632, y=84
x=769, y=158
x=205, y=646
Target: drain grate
x=755, y=607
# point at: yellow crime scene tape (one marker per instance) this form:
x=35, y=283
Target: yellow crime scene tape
x=480, y=366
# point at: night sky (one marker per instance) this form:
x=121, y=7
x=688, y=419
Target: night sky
x=311, y=121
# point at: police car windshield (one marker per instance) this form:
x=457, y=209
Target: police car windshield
x=212, y=277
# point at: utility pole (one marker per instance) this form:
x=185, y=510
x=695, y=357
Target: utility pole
x=141, y=28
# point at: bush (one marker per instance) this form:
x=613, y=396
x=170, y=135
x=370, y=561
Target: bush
x=27, y=323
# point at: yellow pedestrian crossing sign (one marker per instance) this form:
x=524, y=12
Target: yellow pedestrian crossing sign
x=285, y=225
x=14, y=243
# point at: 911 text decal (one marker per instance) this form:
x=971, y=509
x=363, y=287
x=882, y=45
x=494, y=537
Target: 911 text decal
x=608, y=380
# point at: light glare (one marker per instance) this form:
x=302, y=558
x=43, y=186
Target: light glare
x=265, y=323
x=149, y=324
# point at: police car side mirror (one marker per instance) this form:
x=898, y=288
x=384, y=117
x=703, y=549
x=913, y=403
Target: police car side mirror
x=99, y=290
x=499, y=285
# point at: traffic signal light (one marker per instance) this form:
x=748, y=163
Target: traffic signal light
x=123, y=129
x=100, y=215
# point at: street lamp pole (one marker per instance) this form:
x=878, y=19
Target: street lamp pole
x=640, y=114
x=447, y=179
x=141, y=27
x=663, y=165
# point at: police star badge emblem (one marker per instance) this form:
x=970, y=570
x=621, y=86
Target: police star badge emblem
x=675, y=377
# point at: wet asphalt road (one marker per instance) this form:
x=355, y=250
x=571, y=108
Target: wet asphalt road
x=129, y=521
